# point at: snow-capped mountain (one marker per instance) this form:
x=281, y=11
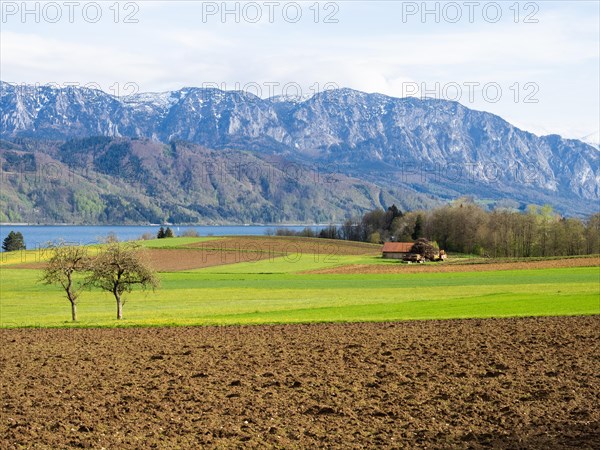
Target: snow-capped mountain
x=446, y=148
x=593, y=139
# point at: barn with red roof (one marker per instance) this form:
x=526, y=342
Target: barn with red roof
x=396, y=250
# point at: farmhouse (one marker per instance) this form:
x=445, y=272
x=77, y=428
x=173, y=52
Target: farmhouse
x=396, y=250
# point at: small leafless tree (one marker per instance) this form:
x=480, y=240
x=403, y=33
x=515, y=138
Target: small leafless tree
x=118, y=269
x=190, y=232
x=65, y=262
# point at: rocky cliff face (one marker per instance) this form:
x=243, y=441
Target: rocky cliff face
x=446, y=148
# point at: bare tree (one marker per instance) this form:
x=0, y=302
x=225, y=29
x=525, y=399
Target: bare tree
x=118, y=269
x=66, y=260
x=592, y=234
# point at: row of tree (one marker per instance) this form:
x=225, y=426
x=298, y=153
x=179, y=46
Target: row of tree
x=375, y=226
x=466, y=227
x=116, y=268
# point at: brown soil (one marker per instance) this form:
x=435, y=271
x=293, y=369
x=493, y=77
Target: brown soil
x=398, y=267
x=289, y=245
x=509, y=383
x=173, y=260
x=232, y=250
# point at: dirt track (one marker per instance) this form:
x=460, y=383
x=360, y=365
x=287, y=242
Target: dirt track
x=510, y=383
x=397, y=267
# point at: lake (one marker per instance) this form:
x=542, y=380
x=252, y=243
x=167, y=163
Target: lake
x=39, y=235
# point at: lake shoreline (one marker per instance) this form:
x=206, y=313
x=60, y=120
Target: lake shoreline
x=38, y=236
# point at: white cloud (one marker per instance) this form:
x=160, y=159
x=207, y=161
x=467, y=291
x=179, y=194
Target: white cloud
x=368, y=50
x=40, y=59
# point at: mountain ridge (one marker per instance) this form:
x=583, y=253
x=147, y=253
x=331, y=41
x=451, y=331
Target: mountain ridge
x=364, y=135
x=151, y=96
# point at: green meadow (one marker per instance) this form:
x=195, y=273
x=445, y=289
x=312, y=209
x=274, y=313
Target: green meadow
x=275, y=291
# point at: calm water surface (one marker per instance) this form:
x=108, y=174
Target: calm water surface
x=39, y=235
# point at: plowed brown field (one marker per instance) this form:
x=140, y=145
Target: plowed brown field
x=509, y=383
x=232, y=250
x=173, y=260
x=289, y=245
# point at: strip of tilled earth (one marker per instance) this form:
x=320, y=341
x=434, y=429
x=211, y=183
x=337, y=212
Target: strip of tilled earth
x=398, y=267
x=290, y=245
x=509, y=383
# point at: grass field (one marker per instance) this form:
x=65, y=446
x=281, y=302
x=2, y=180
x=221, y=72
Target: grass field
x=279, y=290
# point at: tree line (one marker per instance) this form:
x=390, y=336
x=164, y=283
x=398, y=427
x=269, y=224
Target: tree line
x=465, y=227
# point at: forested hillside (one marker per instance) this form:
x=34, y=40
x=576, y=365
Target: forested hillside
x=103, y=180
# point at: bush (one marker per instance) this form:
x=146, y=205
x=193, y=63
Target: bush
x=190, y=232
x=375, y=238
x=285, y=232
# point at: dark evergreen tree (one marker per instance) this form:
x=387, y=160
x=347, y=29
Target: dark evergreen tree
x=392, y=213
x=14, y=241
x=418, y=230
x=161, y=233
x=20, y=241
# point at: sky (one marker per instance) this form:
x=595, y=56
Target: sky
x=536, y=64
